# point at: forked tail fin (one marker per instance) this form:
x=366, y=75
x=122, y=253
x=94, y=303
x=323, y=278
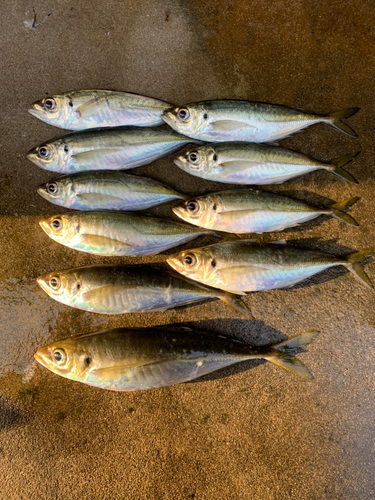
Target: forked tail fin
x=236, y=304
x=337, y=163
x=338, y=207
x=354, y=265
x=285, y=357
x=335, y=120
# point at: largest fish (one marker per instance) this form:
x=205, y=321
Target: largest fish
x=245, y=266
x=232, y=120
x=121, y=289
x=114, y=148
x=83, y=109
x=134, y=359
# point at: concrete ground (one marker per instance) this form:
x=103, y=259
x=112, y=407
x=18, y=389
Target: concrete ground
x=251, y=431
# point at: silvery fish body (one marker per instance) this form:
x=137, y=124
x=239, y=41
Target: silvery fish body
x=117, y=234
x=241, y=163
x=107, y=190
x=83, y=109
x=232, y=120
x=249, y=211
x=114, y=148
x=139, y=359
x=129, y=289
x=243, y=266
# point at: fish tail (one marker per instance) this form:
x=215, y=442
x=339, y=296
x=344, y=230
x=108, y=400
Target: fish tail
x=236, y=304
x=354, y=265
x=285, y=357
x=335, y=120
x=337, y=163
x=338, y=207
x=181, y=196
x=226, y=236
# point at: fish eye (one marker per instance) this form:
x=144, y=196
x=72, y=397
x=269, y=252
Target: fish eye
x=190, y=260
x=192, y=206
x=44, y=152
x=57, y=223
x=55, y=283
x=52, y=188
x=214, y=157
x=59, y=355
x=49, y=104
x=183, y=114
x=194, y=157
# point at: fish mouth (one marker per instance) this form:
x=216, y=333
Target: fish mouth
x=180, y=212
x=179, y=162
x=40, y=357
x=167, y=117
x=42, y=192
x=32, y=156
x=174, y=263
x=43, y=223
x=41, y=280
x=35, y=112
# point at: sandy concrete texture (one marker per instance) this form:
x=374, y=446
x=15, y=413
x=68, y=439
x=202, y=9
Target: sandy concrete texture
x=251, y=431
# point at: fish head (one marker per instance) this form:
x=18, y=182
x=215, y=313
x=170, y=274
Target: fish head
x=61, y=228
x=191, y=120
x=199, y=211
x=64, y=286
x=57, y=191
x=67, y=358
x=197, y=161
x=51, y=155
x=54, y=110
x=197, y=264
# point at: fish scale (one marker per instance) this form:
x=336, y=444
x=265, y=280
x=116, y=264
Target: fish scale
x=113, y=233
x=120, y=289
x=243, y=266
x=225, y=120
x=112, y=148
x=249, y=211
x=133, y=359
x=102, y=190
x=245, y=163
x=84, y=109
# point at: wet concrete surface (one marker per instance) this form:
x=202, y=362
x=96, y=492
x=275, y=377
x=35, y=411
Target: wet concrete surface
x=250, y=431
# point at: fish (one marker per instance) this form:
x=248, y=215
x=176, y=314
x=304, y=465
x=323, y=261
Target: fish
x=251, y=211
x=148, y=358
x=242, y=163
x=110, y=289
x=226, y=120
x=107, y=190
x=118, y=234
x=247, y=266
x=115, y=148
x=84, y=109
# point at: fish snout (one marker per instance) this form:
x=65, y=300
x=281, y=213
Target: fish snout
x=180, y=212
x=175, y=262
x=45, y=225
x=168, y=117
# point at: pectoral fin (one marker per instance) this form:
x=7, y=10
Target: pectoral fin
x=99, y=295
x=239, y=166
x=101, y=243
x=94, y=198
x=230, y=126
x=237, y=279
x=96, y=155
x=92, y=106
